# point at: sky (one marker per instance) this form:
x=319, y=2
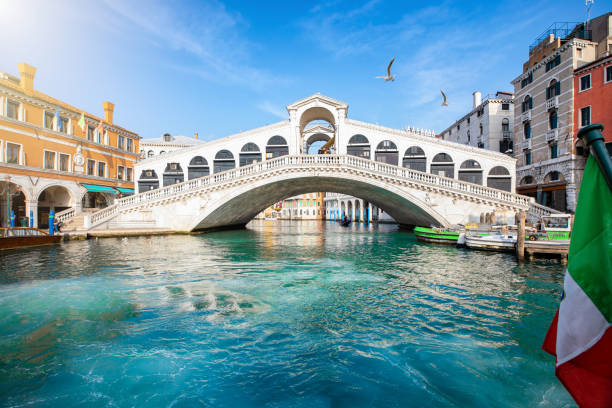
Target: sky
x=217, y=68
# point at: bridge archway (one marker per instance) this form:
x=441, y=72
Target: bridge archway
x=386, y=152
x=249, y=154
x=358, y=145
x=277, y=146
x=238, y=207
x=415, y=159
x=198, y=167
x=442, y=165
x=224, y=160
x=470, y=171
x=317, y=140
x=499, y=177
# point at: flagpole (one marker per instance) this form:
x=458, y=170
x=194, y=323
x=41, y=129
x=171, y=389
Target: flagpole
x=594, y=139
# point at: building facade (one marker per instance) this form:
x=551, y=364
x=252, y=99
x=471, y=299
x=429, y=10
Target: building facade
x=309, y=206
x=593, y=100
x=338, y=206
x=166, y=143
x=549, y=167
x=54, y=156
x=488, y=125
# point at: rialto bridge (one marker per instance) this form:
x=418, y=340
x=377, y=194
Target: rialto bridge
x=413, y=176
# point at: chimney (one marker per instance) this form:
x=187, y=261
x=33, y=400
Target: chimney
x=26, y=73
x=108, y=111
x=477, y=98
x=195, y=136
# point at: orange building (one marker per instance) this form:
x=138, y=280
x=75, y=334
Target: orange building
x=593, y=98
x=54, y=156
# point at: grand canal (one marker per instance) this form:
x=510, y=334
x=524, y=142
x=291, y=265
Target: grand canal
x=281, y=314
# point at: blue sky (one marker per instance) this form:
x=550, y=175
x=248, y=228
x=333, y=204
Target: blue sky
x=220, y=67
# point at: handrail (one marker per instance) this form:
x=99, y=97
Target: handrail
x=65, y=214
x=321, y=161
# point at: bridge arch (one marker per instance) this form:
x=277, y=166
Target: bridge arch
x=277, y=146
x=415, y=159
x=249, y=154
x=239, y=206
x=224, y=160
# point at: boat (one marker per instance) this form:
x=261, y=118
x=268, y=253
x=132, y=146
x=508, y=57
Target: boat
x=494, y=242
x=552, y=228
x=21, y=237
x=345, y=222
x=436, y=235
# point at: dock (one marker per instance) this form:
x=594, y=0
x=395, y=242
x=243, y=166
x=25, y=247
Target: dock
x=547, y=249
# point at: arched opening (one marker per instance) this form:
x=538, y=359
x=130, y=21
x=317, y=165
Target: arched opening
x=148, y=181
x=173, y=174
x=357, y=216
x=386, y=152
x=442, y=165
x=198, y=167
x=249, y=154
x=56, y=198
x=527, y=180
x=553, y=192
x=349, y=210
x=499, y=178
x=471, y=172
x=277, y=146
x=414, y=159
x=150, y=153
x=552, y=119
x=315, y=142
x=13, y=203
x=358, y=145
x=94, y=199
x=224, y=160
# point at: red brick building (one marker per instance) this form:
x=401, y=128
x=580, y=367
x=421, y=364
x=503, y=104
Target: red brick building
x=593, y=97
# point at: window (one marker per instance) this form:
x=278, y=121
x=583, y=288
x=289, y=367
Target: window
x=505, y=106
x=91, y=167
x=12, y=109
x=101, y=169
x=128, y=174
x=527, y=158
x=554, y=151
x=468, y=135
x=579, y=52
x=527, y=80
x=120, y=142
x=526, y=104
x=553, y=89
x=585, y=116
x=167, y=137
x=527, y=130
x=49, y=160
x=609, y=73
x=49, y=120
x=100, y=137
x=63, y=125
x=90, y=133
x=553, y=62
x=468, y=121
x=64, y=162
x=130, y=145
x=585, y=82
x=505, y=125
x=481, y=129
x=12, y=152
x=552, y=119
x=120, y=172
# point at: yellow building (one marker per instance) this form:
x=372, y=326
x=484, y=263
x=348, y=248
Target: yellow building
x=54, y=156
x=309, y=206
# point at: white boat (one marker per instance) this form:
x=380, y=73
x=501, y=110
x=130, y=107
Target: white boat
x=495, y=242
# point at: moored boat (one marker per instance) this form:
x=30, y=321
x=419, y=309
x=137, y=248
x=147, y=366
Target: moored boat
x=436, y=235
x=496, y=242
x=19, y=237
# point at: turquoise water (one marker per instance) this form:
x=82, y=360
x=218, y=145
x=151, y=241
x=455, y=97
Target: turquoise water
x=281, y=314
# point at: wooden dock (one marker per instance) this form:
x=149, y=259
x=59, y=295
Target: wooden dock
x=552, y=248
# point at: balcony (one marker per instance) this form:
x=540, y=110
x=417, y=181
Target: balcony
x=552, y=135
x=552, y=103
x=525, y=116
x=526, y=144
x=506, y=135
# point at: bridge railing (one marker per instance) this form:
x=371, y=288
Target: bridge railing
x=309, y=161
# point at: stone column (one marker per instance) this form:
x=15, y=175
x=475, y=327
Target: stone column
x=3, y=212
x=571, y=197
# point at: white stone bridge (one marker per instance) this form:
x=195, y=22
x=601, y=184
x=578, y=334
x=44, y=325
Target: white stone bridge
x=230, y=180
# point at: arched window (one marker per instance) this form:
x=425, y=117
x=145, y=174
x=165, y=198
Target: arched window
x=480, y=128
x=442, y=165
x=471, y=172
x=386, y=152
x=148, y=181
x=505, y=125
x=198, y=167
x=224, y=160
x=526, y=104
x=150, y=153
x=554, y=89
x=277, y=146
x=499, y=178
x=527, y=130
x=527, y=180
x=414, y=158
x=358, y=145
x=468, y=135
x=173, y=174
x=554, y=177
x=249, y=154
x=552, y=119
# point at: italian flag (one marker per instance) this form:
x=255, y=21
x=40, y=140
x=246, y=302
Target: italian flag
x=580, y=336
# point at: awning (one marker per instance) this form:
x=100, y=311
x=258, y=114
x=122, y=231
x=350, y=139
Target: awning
x=94, y=188
x=125, y=191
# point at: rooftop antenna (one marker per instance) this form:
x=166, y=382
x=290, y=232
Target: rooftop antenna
x=589, y=4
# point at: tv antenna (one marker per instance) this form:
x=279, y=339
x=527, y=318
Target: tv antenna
x=589, y=4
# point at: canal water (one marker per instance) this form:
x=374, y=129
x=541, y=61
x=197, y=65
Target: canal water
x=281, y=314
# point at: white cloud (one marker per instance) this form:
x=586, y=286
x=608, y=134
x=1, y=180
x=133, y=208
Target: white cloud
x=272, y=109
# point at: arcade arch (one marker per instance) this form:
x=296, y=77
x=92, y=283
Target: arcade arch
x=499, y=177
x=414, y=159
x=470, y=171
x=55, y=197
x=442, y=165
x=148, y=181
x=249, y=154
x=224, y=160
x=386, y=152
x=198, y=167
x=358, y=145
x=173, y=174
x=277, y=146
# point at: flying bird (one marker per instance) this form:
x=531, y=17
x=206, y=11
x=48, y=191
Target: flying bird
x=388, y=77
x=444, y=102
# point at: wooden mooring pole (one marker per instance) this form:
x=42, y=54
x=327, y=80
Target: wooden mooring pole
x=520, y=238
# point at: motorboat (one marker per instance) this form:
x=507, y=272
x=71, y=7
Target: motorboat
x=19, y=237
x=435, y=235
x=493, y=242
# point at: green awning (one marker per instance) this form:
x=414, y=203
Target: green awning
x=94, y=188
x=126, y=191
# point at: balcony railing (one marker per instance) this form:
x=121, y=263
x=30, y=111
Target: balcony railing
x=525, y=116
x=526, y=144
x=552, y=103
x=552, y=135
x=506, y=135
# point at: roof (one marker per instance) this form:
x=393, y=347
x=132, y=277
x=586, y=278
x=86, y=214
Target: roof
x=176, y=141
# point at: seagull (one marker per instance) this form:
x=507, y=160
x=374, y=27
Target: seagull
x=388, y=77
x=444, y=103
